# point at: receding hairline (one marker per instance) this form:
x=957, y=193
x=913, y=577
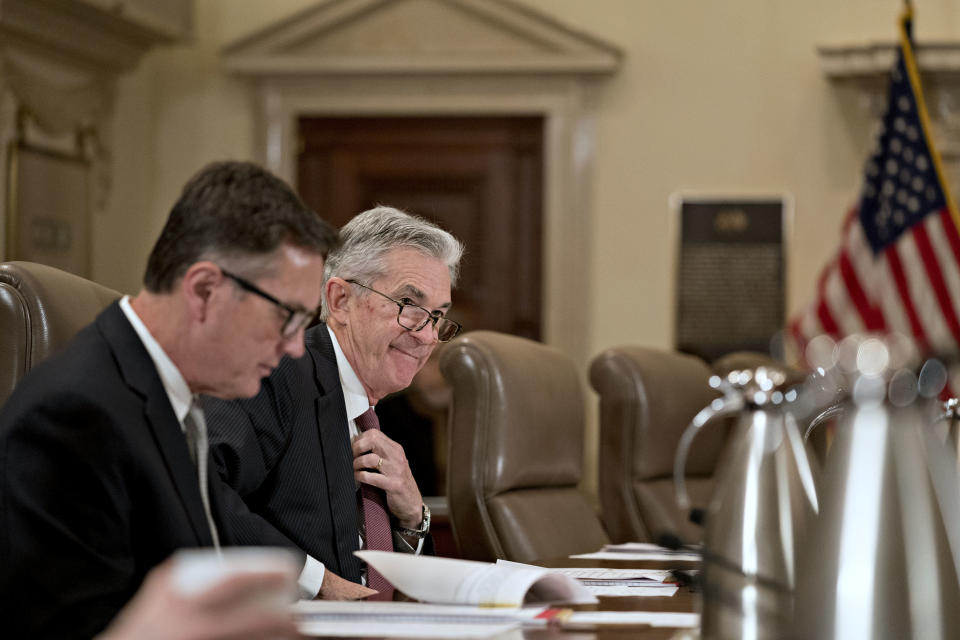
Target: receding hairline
x=373, y=234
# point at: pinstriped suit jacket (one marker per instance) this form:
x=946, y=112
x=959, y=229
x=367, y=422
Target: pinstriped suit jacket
x=285, y=455
x=96, y=485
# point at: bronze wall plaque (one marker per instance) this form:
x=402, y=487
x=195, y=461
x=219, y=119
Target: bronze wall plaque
x=730, y=276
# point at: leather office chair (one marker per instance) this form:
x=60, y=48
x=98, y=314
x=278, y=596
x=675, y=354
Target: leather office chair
x=41, y=308
x=647, y=399
x=516, y=450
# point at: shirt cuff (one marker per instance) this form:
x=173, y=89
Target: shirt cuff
x=401, y=545
x=311, y=578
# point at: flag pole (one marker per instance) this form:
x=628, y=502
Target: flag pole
x=913, y=71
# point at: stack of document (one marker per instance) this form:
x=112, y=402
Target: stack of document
x=464, y=599
x=642, y=551
x=449, y=581
x=616, y=582
x=412, y=620
x=419, y=620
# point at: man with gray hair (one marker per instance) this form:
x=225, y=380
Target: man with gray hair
x=296, y=453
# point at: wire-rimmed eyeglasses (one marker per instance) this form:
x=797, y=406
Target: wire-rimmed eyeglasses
x=297, y=317
x=413, y=317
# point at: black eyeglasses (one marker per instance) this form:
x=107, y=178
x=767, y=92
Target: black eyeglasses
x=413, y=317
x=297, y=317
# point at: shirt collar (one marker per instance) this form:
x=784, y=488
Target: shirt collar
x=173, y=382
x=354, y=396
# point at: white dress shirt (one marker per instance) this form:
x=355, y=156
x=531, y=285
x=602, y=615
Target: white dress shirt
x=356, y=402
x=173, y=381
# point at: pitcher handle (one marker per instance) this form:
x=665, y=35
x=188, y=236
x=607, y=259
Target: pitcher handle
x=823, y=416
x=951, y=409
x=729, y=403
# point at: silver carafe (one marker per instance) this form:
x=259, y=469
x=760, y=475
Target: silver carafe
x=881, y=561
x=764, y=499
x=951, y=415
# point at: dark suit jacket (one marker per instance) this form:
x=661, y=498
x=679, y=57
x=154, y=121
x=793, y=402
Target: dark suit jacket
x=287, y=454
x=96, y=485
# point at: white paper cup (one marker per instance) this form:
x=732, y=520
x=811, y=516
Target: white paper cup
x=198, y=570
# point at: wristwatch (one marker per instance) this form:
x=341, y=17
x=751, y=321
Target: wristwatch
x=424, y=528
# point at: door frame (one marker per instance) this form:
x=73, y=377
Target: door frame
x=564, y=103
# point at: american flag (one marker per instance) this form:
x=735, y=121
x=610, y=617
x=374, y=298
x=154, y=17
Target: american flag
x=898, y=267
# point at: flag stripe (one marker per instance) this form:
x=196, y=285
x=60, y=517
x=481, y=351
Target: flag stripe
x=946, y=244
x=893, y=311
x=827, y=323
x=900, y=281
x=826, y=320
x=872, y=319
x=921, y=293
x=936, y=280
x=951, y=234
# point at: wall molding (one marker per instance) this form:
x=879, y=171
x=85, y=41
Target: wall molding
x=496, y=58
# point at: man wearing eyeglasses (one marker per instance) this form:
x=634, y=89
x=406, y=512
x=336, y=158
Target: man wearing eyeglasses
x=103, y=459
x=306, y=455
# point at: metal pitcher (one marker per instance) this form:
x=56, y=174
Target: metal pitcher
x=951, y=415
x=880, y=563
x=763, y=502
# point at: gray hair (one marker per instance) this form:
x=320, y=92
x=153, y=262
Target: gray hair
x=369, y=236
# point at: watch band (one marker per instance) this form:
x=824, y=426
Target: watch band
x=424, y=528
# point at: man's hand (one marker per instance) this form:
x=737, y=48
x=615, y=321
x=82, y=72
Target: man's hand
x=336, y=588
x=234, y=609
x=381, y=462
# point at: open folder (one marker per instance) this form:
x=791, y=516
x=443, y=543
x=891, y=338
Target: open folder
x=449, y=581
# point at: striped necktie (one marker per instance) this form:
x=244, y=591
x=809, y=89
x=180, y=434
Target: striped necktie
x=195, y=427
x=376, y=518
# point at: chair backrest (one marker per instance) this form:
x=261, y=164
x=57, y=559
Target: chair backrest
x=41, y=309
x=647, y=399
x=746, y=360
x=516, y=450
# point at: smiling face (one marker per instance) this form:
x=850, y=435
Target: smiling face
x=249, y=342
x=384, y=355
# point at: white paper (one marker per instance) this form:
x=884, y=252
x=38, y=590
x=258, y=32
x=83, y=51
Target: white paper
x=642, y=591
x=599, y=573
x=652, y=618
x=446, y=580
x=410, y=620
x=616, y=582
x=641, y=555
x=403, y=630
x=650, y=550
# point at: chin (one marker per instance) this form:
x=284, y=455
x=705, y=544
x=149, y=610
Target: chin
x=248, y=390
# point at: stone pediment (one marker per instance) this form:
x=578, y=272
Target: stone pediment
x=419, y=37
x=875, y=59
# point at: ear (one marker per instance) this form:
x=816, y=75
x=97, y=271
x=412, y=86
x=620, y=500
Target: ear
x=198, y=287
x=338, y=293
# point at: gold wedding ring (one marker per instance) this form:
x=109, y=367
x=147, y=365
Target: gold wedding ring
x=380, y=465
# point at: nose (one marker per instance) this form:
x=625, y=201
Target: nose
x=427, y=334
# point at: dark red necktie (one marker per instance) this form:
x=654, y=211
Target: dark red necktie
x=376, y=518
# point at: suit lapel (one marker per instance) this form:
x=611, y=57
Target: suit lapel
x=336, y=451
x=138, y=370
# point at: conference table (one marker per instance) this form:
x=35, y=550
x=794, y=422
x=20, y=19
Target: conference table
x=685, y=600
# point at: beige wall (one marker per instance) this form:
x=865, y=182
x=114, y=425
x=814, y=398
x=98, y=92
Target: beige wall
x=712, y=97
x=723, y=97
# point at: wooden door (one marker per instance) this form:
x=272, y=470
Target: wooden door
x=480, y=178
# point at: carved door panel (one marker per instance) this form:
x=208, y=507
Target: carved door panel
x=479, y=178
